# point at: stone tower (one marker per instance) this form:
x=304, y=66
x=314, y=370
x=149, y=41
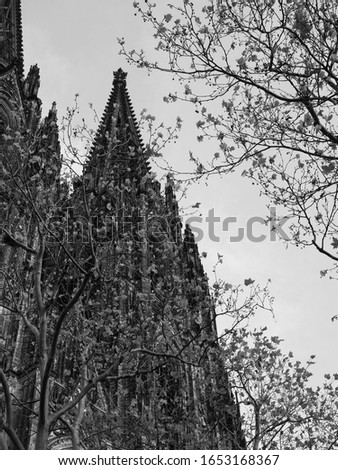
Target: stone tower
x=21, y=129
x=123, y=296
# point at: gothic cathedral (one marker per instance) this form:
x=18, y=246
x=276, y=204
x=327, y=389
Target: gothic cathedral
x=108, y=336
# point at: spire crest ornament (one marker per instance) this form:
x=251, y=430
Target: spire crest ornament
x=120, y=76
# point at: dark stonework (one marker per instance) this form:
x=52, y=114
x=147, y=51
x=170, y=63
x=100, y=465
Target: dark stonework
x=152, y=292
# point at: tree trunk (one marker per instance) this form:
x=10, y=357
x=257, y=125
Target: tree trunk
x=257, y=439
x=3, y=441
x=41, y=436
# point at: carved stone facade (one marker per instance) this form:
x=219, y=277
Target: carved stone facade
x=149, y=306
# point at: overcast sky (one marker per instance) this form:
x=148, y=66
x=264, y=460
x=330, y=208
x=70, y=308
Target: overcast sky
x=74, y=43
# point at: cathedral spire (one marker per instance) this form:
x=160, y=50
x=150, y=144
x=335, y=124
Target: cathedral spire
x=119, y=116
x=11, y=49
x=118, y=136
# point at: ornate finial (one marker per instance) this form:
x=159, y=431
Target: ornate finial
x=52, y=115
x=32, y=82
x=120, y=76
x=53, y=110
x=170, y=180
